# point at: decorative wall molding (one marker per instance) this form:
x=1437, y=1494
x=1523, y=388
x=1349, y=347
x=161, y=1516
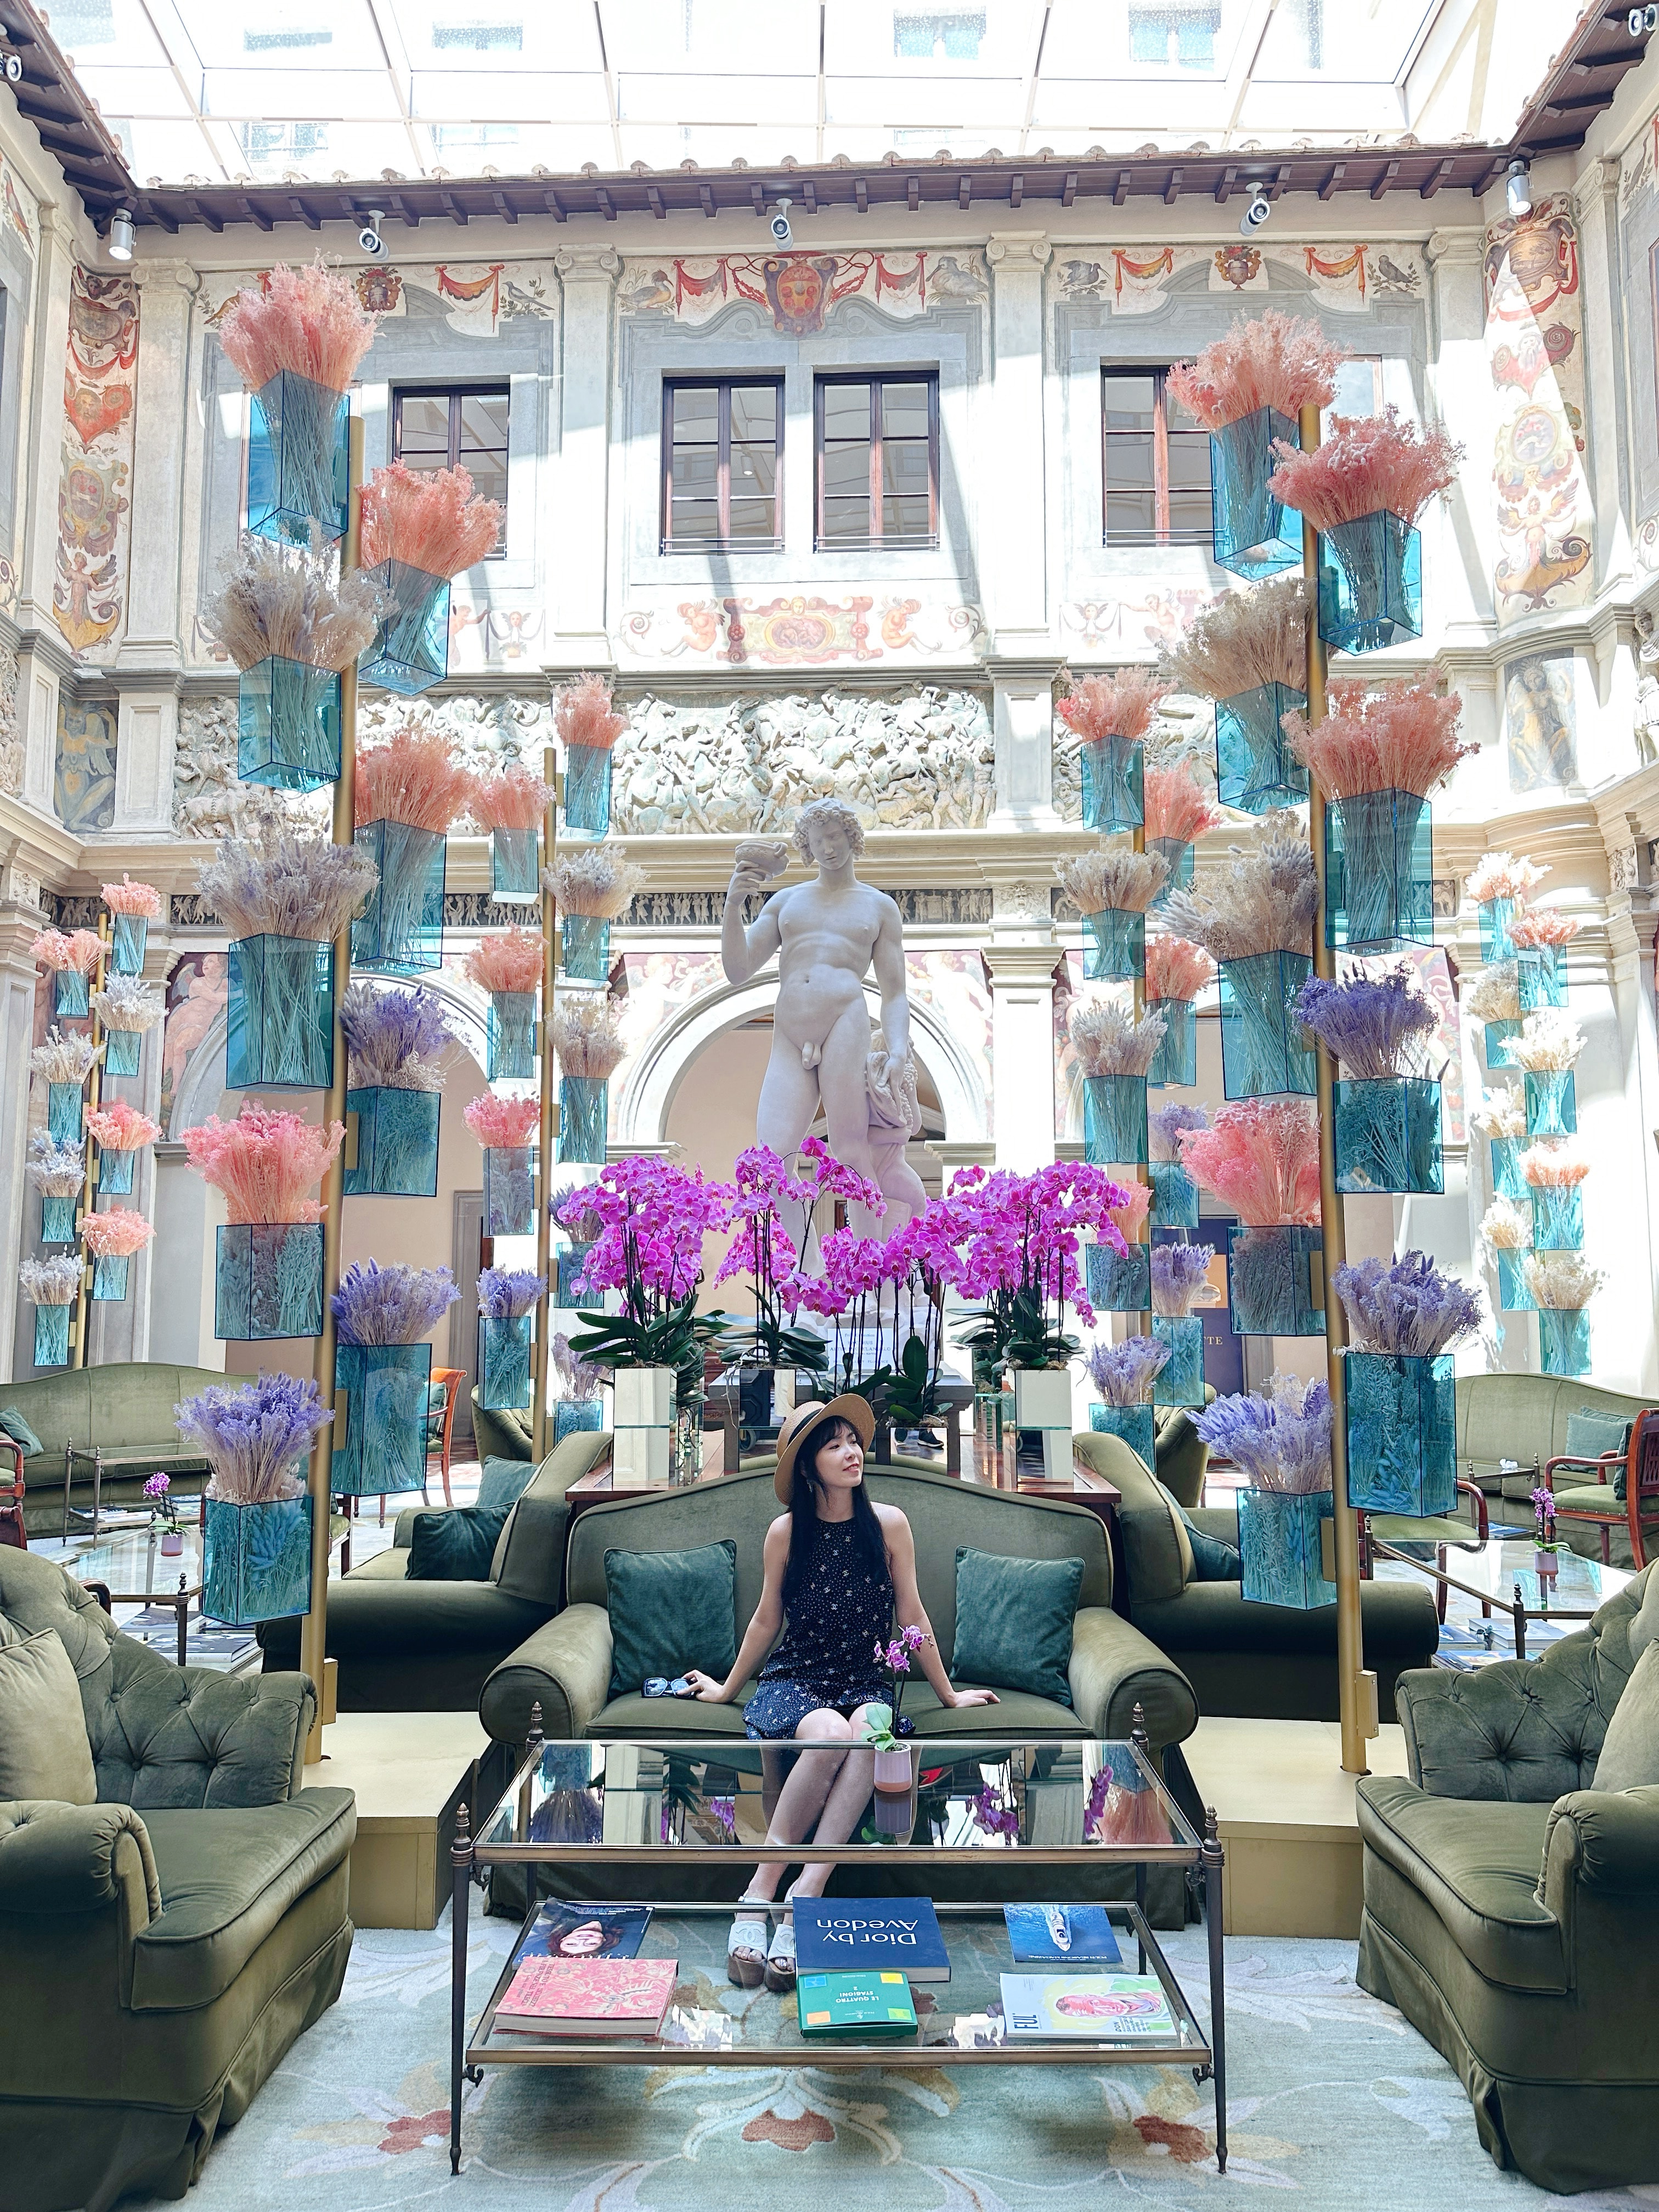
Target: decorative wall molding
x=958, y=904
x=11, y=738
x=799, y=291
x=1349, y=278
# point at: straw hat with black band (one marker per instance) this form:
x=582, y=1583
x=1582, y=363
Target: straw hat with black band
x=856, y=1412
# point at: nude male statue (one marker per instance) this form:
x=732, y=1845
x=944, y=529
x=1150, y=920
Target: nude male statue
x=828, y=934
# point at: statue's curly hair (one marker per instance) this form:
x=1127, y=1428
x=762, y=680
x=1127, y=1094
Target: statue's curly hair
x=826, y=810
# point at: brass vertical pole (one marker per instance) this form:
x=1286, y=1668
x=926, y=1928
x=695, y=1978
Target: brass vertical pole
x=1356, y=1691
x=313, y=1629
x=89, y=1106
x=545, y=1135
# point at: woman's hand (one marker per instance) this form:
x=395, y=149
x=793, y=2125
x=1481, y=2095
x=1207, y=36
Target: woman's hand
x=705, y=1689
x=960, y=1697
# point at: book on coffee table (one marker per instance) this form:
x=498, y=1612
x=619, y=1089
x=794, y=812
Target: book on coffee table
x=561, y=1930
x=1061, y=1935
x=588, y=1998
x=1094, y=2008
x=853, y=2008
x=836, y=1935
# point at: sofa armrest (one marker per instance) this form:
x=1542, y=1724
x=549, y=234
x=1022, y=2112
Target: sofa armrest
x=565, y=1667
x=58, y=1859
x=1601, y=1843
x=1513, y=1732
x=1114, y=1668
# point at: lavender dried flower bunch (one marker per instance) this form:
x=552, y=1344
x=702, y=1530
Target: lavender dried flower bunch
x=275, y=885
x=1495, y=993
x=50, y=1282
x=1109, y=1042
x=1501, y=1113
x=391, y=1305
x=578, y=1378
x=397, y=1040
x=504, y=1293
x=1124, y=1373
x=55, y=1170
x=1374, y=1024
x=254, y=1438
x=1281, y=1436
x=1266, y=901
x=1406, y=1307
x=127, y=1002
x=66, y=1059
x=1165, y=1123
x=1180, y=1279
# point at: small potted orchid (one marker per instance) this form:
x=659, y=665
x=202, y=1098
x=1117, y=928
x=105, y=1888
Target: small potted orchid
x=164, y=1515
x=885, y=1726
x=1544, y=1545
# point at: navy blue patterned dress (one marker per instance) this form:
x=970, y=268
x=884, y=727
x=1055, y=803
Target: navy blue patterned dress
x=828, y=1655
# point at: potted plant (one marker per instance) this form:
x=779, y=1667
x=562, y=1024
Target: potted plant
x=883, y=1724
x=164, y=1515
x=768, y=1203
x=1544, y=1545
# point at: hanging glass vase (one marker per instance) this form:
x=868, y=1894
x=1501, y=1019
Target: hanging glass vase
x=1388, y=1134
x=685, y=1464
x=115, y=1171
x=1370, y=583
x=110, y=1272
x=1176, y=1061
x=401, y=929
x=1178, y=859
x=391, y=1143
x=128, y=942
x=51, y=1336
x=1118, y=1282
x=288, y=724
x=587, y=788
x=585, y=947
x=515, y=877
x=1540, y=977
x=511, y=1035
x=122, y=1048
x=571, y=1415
x=268, y=1281
x=1253, y=534
x=1282, y=1547
x=584, y=1119
x=570, y=1261
x=1113, y=783
x=1513, y=1295
x=1552, y=1102
x=63, y=1104
x=58, y=1210
x=1563, y=1339
x=71, y=993
x=1495, y=1040
x=1180, y=1382
x=410, y=651
x=1114, y=946
x=1265, y=1050
x=1507, y=1180
x=1255, y=769
x=1558, y=1217
x=1174, y=1196
x=279, y=1016
x=1402, y=1434
x=1495, y=916
x=1134, y=1424
x=509, y=1190
x=504, y=1361
x=1276, y=1280
x=381, y=1394
x=256, y=1559
x=1113, y=1119
x=1379, y=869
x=297, y=469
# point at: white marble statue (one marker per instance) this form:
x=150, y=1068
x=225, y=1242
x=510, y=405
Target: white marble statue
x=828, y=934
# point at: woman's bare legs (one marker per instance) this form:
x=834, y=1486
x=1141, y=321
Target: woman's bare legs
x=804, y=1796
x=849, y=1793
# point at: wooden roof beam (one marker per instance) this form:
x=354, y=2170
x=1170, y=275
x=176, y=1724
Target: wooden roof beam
x=204, y=215
x=453, y=209
x=554, y=206
x=1224, y=190
x=1431, y=186
x=861, y=194
x=607, y=205
x=1121, y=189
x=964, y=191
x=297, y=206
x=1069, y=192
x=913, y=193
x=1327, y=190
x=706, y=194
x=255, y=215
x=809, y=192
x=1385, y=180
x=1172, y=189
x=503, y=208
x=653, y=199
x=401, y=207
x=1016, y=189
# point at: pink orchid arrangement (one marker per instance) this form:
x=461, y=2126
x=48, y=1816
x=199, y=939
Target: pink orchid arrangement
x=119, y=1127
x=267, y=1163
x=895, y=1655
x=653, y=1217
x=1262, y=1158
x=1019, y=1238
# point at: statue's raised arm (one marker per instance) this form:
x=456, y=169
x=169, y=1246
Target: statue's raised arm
x=745, y=951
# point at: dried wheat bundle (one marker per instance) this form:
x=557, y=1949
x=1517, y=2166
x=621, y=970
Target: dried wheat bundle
x=1120, y=706
x=307, y=321
x=1270, y=360
x=1120, y=878
x=596, y=880
x=413, y=778
x=125, y=1003
x=1245, y=640
x=588, y=1037
x=1506, y=1227
x=280, y=886
x=1547, y=1042
x=1400, y=737
x=1369, y=465
x=1110, y=1043
x=1264, y=901
x=50, y=1282
x=429, y=519
x=276, y=601
x=64, y=1059
x=55, y=1170
x=583, y=714
x=1501, y=875
x=1562, y=1279
x=1175, y=806
x=1501, y=1113
x=510, y=960
x=1495, y=993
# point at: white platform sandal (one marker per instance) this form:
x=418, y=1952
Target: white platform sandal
x=748, y=1934
x=780, y=1959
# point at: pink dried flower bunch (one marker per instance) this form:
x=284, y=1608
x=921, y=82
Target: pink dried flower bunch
x=1369, y=465
x=597, y=880
x=517, y=799
x=1244, y=640
x=653, y=1218
x=267, y=1163
x=583, y=714
x=1129, y=1217
x=128, y=897
x=1176, y=969
x=1553, y=1167
x=587, y=1035
x=116, y=1235
x=1401, y=738
x=503, y=1124
x=509, y=960
x=308, y=321
x=119, y=1127
x=1271, y=360
x=275, y=599
x=1116, y=877
x=1120, y=706
x=430, y=519
x=1265, y=901
x=1501, y=875
x=82, y=949
x=1260, y=1157
x=1109, y=1042
x=1175, y=806
x=415, y=779
x=1543, y=925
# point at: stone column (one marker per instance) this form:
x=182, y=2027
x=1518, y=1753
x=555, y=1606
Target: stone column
x=1020, y=962
x=1460, y=393
x=1023, y=719
x=577, y=574
x=1595, y=201
x=43, y=653
x=1013, y=507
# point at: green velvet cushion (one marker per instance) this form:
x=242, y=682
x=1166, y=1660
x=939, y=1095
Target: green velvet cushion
x=1214, y=1560
x=1590, y=1433
x=1630, y=1750
x=1014, y=1622
x=13, y=1424
x=456, y=1545
x=671, y=1611
x=504, y=1482
x=1587, y=1497
x=45, y=1749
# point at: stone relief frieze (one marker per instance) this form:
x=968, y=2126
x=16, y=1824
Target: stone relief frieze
x=11, y=738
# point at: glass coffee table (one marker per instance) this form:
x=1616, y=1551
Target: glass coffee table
x=1503, y=1575
x=679, y=1811
x=127, y=1566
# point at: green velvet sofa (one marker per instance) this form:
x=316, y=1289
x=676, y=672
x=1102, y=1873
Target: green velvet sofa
x=1512, y=1909
x=502, y=1434
x=119, y=1421
x=1523, y=1417
x=159, y=1950
x=1246, y=1661
x=408, y=1646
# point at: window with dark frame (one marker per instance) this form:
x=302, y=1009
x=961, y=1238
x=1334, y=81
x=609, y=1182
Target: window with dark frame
x=721, y=443
x=1157, y=462
x=878, y=461
x=465, y=427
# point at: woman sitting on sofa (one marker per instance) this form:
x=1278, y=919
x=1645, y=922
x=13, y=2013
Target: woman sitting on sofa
x=839, y=1566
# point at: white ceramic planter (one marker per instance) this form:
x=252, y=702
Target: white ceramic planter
x=893, y=1772
x=643, y=1426
x=1042, y=1398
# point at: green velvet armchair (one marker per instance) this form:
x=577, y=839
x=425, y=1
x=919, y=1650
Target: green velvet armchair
x=161, y=1950
x=1512, y=1908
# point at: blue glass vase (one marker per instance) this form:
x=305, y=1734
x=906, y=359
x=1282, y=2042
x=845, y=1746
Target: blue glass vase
x=129, y=940
x=288, y=724
x=511, y=1035
x=1134, y=1424
x=58, y=1210
x=584, y=1119
x=1253, y=534
x=1255, y=769
x=570, y=1260
x=1558, y=1218
x=1178, y=854
x=1563, y=1339
x=1507, y=1180
x=1276, y=1280
x=51, y=1336
x=122, y=1048
x=268, y=1281
x=587, y=789
x=1379, y=869
x=1552, y=1099
x=1513, y=1295
x=1370, y=583
x=572, y=1416
x=509, y=1190
x=1117, y=1283
x=1279, y=1536
x=585, y=947
x=115, y=1171
x=1402, y=1434
x=256, y=1559
x=410, y=651
x=381, y=1394
x=1113, y=1119
x=1175, y=1061
x=1265, y=1050
x=110, y=1273
x=1540, y=977
x=515, y=874
x=504, y=1361
x=1181, y=1380
x=279, y=1015
x=400, y=931
x=1174, y=1196
x=392, y=1144
x=63, y=1104
x=1114, y=946
x=1113, y=783
x=297, y=467
x=1495, y=916
x=1495, y=1041
x=71, y=993
x=1388, y=1134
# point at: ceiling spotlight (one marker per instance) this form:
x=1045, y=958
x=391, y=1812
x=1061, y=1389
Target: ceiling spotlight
x=1256, y=213
x=14, y=68
x=1644, y=21
x=120, y=235
x=369, y=239
x=1518, y=190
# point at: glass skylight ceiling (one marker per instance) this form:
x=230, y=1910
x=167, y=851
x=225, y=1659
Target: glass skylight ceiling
x=215, y=91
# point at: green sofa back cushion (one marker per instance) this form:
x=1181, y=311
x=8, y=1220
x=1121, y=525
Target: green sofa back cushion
x=456, y=1545
x=1629, y=1757
x=1014, y=1623
x=671, y=1611
x=13, y=1424
x=504, y=1482
x=45, y=1749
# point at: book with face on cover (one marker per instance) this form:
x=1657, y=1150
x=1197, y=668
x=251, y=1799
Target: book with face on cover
x=1091, y=2007
x=588, y=1998
x=833, y=1935
x=585, y=1931
x=854, y=2008
x=1061, y=1935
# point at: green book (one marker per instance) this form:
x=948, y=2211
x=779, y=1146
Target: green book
x=854, y=2008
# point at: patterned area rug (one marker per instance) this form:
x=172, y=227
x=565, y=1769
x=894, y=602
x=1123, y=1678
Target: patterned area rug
x=1333, y=2098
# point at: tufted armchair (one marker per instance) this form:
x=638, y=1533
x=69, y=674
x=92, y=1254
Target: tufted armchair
x=1512, y=1908
x=161, y=1949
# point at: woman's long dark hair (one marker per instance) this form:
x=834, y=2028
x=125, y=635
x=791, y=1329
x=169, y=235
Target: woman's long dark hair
x=803, y=1524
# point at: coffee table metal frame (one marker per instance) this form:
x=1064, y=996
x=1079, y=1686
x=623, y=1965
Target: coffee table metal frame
x=1519, y=1607
x=471, y=1857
